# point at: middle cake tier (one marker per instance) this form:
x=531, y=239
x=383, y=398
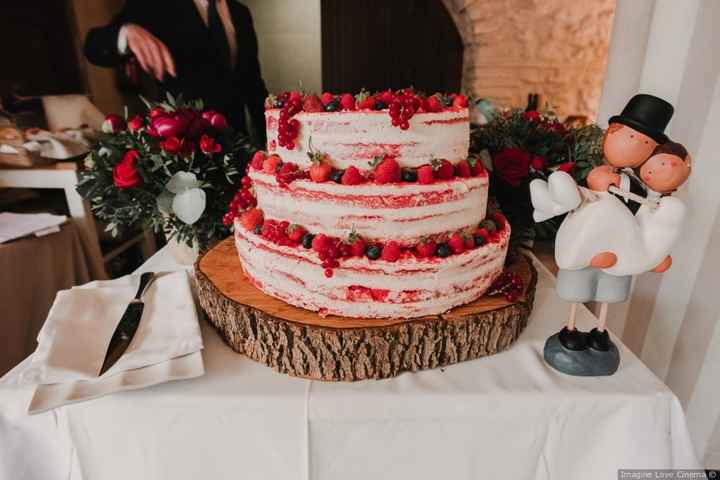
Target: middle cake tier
x=405, y=213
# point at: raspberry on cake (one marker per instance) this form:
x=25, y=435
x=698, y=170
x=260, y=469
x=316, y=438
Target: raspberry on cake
x=364, y=192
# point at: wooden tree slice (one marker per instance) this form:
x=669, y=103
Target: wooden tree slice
x=301, y=343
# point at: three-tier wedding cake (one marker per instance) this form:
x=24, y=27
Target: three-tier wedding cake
x=368, y=206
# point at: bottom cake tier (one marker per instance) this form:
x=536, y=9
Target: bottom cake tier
x=407, y=288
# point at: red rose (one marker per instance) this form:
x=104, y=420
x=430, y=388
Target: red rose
x=568, y=167
x=156, y=112
x=215, y=119
x=197, y=127
x=112, y=124
x=512, y=165
x=208, y=145
x=531, y=116
x=538, y=162
x=170, y=125
x=135, y=123
x=172, y=145
x=125, y=175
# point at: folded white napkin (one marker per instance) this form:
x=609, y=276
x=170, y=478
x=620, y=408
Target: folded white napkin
x=18, y=225
x=73, y=342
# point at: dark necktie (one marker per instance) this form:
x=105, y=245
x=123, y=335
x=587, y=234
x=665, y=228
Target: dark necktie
x=217, y=35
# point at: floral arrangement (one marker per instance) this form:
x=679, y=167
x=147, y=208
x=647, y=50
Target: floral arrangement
x=518, y=146
x=174, y=167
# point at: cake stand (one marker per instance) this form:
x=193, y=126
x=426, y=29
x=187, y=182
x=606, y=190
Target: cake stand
x=304, y=344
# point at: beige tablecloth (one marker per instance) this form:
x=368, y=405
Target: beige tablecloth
x=32, y=270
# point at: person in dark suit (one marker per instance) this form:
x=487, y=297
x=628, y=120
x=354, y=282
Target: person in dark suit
x=201, y=48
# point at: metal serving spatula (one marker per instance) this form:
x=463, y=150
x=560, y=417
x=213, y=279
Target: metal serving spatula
x=125, y=331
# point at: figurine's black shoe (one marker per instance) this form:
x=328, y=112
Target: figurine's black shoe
x=573, y=339
x=598, y=340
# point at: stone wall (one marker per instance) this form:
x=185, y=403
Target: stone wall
x=554, y=47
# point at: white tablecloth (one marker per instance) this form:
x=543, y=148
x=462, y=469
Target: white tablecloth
x=505, y=416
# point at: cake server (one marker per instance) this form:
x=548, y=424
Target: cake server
x=125, y=331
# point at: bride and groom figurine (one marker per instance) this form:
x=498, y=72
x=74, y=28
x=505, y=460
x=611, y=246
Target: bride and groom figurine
x=623, y=224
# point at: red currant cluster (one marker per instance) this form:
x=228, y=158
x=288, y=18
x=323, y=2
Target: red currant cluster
x=288, y=127
x=288, y=173
x=403, y=107
x=509, y=284
x=242, y=200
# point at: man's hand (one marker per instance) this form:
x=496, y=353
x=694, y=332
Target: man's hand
x=600, y=178
x=152, y=54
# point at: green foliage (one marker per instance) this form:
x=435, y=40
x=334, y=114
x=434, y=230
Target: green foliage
x=218, y=174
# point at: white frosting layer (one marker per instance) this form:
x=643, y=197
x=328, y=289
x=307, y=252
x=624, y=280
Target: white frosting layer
x=402, y=212
x=408, y=288
x=354, y=138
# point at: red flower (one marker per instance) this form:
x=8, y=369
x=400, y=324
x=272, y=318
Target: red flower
x=568, y=167
x=215, y=119
x=170, y=125
x=125, y=175
x=538, y=162
x=172, y=145
x=512, y=165
x=156, y=112
x=531, y=116
x=135, y=123
x=112, y=124
x=208, y=145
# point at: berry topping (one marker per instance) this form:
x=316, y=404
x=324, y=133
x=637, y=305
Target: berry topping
x=365, y=101
x=425, y=249
x=386, y=97
x=380, y=105
x=409, y=175
x=311, y=103
x=352, y=176
x=460, y=101
x=403, y=107
x=426, y=174
x=482, y=232
x=433, y=104
x=479, y=240
x=320, y=172
x=391, y=251
x=373, y=252
x=387, y=170
x=457, y=243
x=328, y=272
x=296, y=233
x=258, y=159
x=271, y=164
x=321, y=243
x=469, y=241
x=307, y=240
x=333, y=106
x=251, y=218
x=443, y=250
x=337, y=175
x=326, y=98
x=357, y=245
x=476, y=165
x=463, y=169
x=258, y=230
x=347, y=102
x=489, y=225
x=246, y=182
x=444, y=170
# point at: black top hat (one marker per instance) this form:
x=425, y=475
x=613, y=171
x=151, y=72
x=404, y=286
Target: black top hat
x=648, y=115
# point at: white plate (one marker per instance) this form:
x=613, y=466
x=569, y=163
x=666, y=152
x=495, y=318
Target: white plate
x=47, y=397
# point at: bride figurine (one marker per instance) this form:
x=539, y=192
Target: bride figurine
x=605, y=238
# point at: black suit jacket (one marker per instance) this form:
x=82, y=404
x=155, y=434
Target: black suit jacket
x=199, y=75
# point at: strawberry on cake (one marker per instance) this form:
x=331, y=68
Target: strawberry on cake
x=368, y=206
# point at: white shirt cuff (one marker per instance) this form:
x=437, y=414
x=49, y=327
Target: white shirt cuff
x=122, y=40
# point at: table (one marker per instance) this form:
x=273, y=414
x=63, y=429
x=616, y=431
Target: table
x=504, y=416
x=32, y=270
x=64, y=175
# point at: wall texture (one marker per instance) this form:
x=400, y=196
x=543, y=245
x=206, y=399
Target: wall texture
x=555, y=47
x=290, y=45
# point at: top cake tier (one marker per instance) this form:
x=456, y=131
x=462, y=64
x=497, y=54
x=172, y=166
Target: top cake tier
x=356, y=137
